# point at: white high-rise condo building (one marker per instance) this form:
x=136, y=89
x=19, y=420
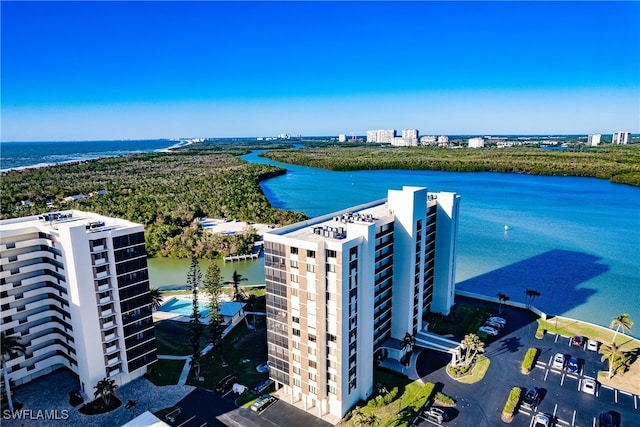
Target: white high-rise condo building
x=382, y=136
x=75, y=292
x=594, y=139
x=345, y=288
x=621, y=138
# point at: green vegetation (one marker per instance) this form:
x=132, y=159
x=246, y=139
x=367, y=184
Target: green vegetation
x=470, y=374
x=529, y=360
x=620, y=164
x=165, y=372
x=166, y=192
x=172, y=338
x=512, y=402
x=464, y=319
x=396, y=403
x=444, y=400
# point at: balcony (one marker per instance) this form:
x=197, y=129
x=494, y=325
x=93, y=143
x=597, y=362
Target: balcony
x=104, y=288
x=109, y=324
x=100, y=261
x=115, y=372
x=105, y=300
x=110, y=337
x=99, y=248
x=111, y=349
x=113, y=361
x=102, y=274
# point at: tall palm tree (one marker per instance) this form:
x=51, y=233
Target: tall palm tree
x=9, y=345
x=408, y=342
x=156, y=298
x=472, y=344
x=502, y=298
x=621, y=322
x=105, y=389
x=612, y=352
x=238, y=293
x=531, y=295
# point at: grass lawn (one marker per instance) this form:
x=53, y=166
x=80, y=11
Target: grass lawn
x=166, y=372
x=467, y=320
x=401, y=411
x=172, y=338
x=243, y=350
x=477, y=372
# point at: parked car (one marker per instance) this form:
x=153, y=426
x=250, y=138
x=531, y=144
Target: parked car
x=488, y=330
x=558, y=361
x=435, y=414
x=226, y=383
x=531, y=398
x=573, y=365
x=605, y=419
x=263, y=403
x=498, y=320
x=263, y=367
x=589, y=385
x=541, y=420
x=493, y=325
x=262, y=385
x=578, y=341
x=592, y=345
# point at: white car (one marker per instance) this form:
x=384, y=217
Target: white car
x=497, y=320
x=488, y=330
x=541, y=420
x=558, y=361
x=589, y=385
x=592, y=345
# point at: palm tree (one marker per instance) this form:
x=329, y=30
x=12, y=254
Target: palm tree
x=156, y=298
x=408, y=342
x=531, y=295
x=9, y=344
x=105, y=389
x=471, y=343
x=238, y=293
x=502, y=299
x=612, y=352
x=621, y=322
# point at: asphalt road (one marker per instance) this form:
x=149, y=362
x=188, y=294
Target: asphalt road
x=481, y=404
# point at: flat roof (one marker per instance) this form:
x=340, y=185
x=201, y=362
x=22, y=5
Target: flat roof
x=65, y=218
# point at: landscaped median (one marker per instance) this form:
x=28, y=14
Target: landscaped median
x=529, y=360
x=509, y=409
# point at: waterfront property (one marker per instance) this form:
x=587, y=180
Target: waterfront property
x=345, y=288
x=75, y=292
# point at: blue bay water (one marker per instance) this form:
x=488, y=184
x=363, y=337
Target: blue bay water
x=16, y=155
x=575, y=240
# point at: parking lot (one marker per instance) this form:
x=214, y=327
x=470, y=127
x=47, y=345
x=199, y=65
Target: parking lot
x=560, y=391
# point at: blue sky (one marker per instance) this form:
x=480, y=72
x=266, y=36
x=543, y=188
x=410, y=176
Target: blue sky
x=90, y=70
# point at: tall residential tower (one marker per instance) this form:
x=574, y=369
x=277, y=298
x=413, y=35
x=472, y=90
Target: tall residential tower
x=75, y=291
x=346, y=287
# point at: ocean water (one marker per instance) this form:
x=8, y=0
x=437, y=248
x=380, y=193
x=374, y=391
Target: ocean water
x=575, y=240
x=17, y=155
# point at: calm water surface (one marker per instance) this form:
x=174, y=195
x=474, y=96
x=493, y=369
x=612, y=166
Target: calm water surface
x=575, y=240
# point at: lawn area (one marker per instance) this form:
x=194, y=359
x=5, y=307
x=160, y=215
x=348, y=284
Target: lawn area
x=464, y=319
x=172, y=338
x=478, y=371
x=166, y=372
x=242, y=350
x=410, y=398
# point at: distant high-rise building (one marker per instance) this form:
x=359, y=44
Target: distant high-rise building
x=443, y=140
x=476, y=142
x=347, y=287
x=594, y=139
x=410, y=136
x=621, y=138
x=385, y=136
x=75, y=292
x=342, y=137
x=428, y=140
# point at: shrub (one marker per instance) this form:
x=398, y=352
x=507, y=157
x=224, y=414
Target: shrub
x=512, y=402
x=444, y=400
x=529, y=360
x=540, y=332
x=390, y=397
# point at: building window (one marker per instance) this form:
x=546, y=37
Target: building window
x=313, y=390
x=311, y=254
x=293, y=263
x=295, y=332
x=297, y=382
x=312, y=377
x=296, y=370
x=296, y=357
x=312, y=364
x=312, y=338
x=353, y=252
x=311, y=296
x=294, y=278
x=294, y=292
x=332, y=390
x=331, y=338
x=331, y=268
x=295, y=319
x=330, y=253
x=294, y=251
x=311, y=268
x=296, y=345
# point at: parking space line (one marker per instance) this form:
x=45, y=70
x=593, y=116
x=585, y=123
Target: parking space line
x=546, y=374
x=562, y=379
x=615, y=395
x=555, y=409
x=625, y=392
x=556, y=339
x=573, y=419
x=635, y=402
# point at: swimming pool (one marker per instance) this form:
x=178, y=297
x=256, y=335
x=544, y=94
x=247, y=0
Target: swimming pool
x=184, y=307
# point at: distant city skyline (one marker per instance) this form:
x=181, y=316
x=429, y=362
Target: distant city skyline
x=146, y=70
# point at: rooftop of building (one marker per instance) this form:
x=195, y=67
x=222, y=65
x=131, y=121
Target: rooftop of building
x=67, y=218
